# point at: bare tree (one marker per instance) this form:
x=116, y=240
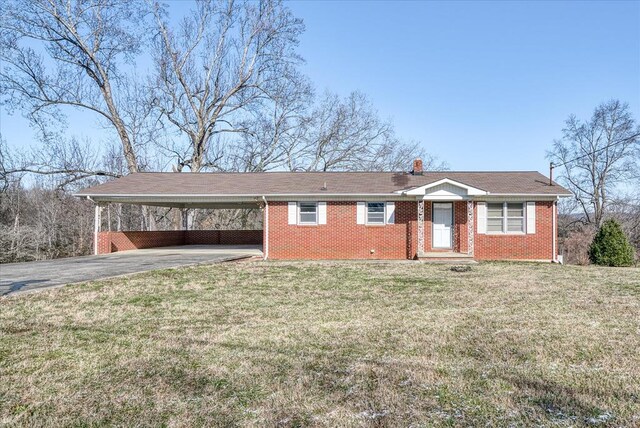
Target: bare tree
x=67, y=53
x=70, y=160
x=62, y=54
x=596, y=156
x=344, y=134
x=6, y=166
x=296, y=133
x=347, y=134
x=225, y=57
x=276, y=129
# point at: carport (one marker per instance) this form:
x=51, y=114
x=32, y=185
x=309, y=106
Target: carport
x=184, y=191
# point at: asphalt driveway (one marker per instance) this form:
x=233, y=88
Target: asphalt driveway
x=23, y=277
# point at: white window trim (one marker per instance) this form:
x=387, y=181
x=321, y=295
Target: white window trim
x=366, y=213
x=505, y=219
x=298, y=213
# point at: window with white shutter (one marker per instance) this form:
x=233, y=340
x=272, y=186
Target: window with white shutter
x=375, y=212
x=531, y=217
x=361, y=208
x=307, y=213
x=482, y=217
x=322, y=213
x=391, y=212
x=293, y=213
x=503, y=217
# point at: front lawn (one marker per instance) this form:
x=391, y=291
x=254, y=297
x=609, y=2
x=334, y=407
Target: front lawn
x=326, y=344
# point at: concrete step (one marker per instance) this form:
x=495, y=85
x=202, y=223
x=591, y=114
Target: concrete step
x=445, y=257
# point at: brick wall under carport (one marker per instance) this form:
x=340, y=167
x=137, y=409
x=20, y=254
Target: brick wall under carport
x=111, y=242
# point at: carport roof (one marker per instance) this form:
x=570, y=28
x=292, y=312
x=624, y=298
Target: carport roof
x=249, y=186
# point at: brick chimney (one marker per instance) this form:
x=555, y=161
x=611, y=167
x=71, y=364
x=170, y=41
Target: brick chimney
x=417, y=167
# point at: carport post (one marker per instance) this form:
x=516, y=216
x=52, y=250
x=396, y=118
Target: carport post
x=97, y=220
x=185, y=218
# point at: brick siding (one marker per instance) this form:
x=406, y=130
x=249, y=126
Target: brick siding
x=111, y=242
x=460, y=230
x=341, y=237
x=537, y=246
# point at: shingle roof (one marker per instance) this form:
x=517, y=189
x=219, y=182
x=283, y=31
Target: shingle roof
x=301, y=183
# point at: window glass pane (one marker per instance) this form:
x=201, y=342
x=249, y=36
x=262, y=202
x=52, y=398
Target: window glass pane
x=375, y=212
x=494, y=210
x=307, y=207
x=308, y=212
x=515, y=210
x=375, y=218
x=307, y=217
x=494, y=224
x=515, y=225
x=376, y=207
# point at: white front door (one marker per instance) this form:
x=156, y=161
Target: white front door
x=442, y=224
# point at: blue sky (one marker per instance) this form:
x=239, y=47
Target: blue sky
x=482, y=85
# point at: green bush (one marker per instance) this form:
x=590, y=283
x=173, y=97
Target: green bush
x=610, y=246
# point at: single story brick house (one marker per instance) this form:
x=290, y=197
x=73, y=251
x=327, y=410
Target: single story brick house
x=354, y=215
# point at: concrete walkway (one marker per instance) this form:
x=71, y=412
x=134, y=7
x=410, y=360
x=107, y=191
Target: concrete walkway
x=23, y=277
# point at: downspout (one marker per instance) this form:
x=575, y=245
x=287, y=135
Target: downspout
x=266, y=229
x=554, y=258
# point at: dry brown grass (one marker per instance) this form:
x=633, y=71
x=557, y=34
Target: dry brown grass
x=328, y=344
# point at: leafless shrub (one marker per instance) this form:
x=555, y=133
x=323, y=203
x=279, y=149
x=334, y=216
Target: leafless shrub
x=576, y=245
x=627, y=211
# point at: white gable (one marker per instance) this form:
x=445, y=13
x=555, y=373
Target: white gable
x=445, y=189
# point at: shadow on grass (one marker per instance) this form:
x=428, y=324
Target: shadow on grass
x=562, y=403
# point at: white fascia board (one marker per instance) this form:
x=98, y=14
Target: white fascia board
x=168, y=198
x=444, y=198
x=516, y=197
x=242, y=198
x=535, y=195
x=531, y=195
x=471, y=191
x=371, y=197
x=199, y=198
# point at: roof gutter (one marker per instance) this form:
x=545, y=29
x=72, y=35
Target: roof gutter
x=490, y=195
x=559, y=195
x=554, y=232
x=290, y=195
x=223, y=195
